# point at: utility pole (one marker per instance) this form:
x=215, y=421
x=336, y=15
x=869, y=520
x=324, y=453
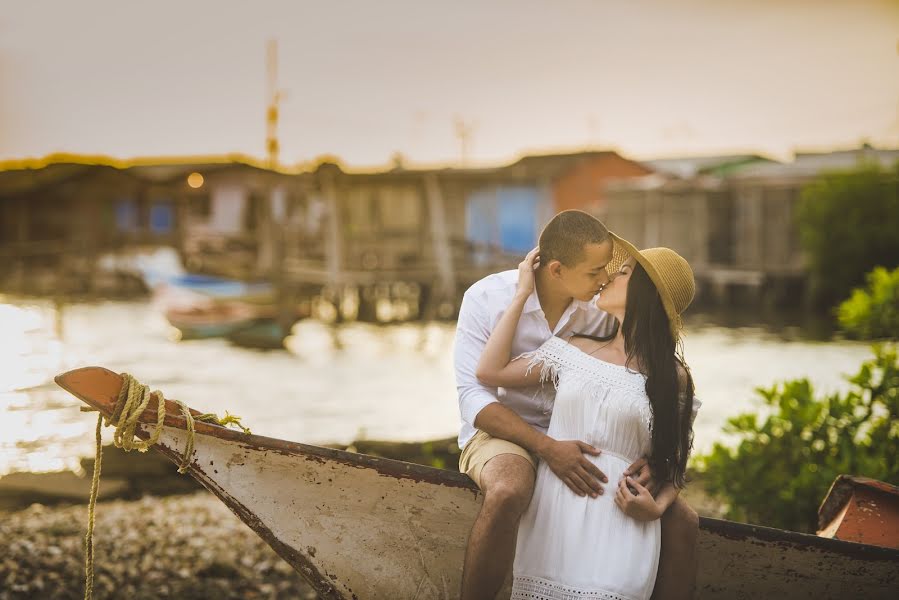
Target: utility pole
x=464, y=131
x=275, y=96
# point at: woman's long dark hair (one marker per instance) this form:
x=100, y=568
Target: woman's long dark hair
x=649, y=343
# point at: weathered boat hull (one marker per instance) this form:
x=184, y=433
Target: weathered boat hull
x=262, y=334
x=363, y=527
x=215, y=320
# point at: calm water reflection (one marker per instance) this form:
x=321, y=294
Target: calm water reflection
x=332, y=385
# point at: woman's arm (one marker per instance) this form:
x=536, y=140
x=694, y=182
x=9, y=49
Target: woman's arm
x=496, y=367
x=666, y=496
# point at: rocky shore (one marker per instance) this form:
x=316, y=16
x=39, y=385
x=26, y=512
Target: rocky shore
x=186, y=547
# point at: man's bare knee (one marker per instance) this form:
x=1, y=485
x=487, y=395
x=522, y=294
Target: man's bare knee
x=508, y=484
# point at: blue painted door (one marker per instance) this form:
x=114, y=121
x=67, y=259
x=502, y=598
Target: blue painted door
x=162, y=217
x=517, y=218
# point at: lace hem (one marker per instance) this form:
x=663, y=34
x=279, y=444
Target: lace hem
x=525, y=587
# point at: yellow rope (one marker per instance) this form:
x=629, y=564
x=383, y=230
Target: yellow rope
x=134, y=397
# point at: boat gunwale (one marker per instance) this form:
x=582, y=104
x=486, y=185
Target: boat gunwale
x=736, y=530
x=173, y=418
x=417, y=472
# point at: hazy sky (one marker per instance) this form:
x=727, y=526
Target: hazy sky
x=366, y=79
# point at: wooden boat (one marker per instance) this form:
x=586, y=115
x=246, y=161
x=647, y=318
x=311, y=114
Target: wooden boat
x=261, y=334
x=361, y=527
x=221, y=288
x=213, y=320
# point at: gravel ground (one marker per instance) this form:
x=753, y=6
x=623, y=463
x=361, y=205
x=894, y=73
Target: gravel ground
x=185, y=547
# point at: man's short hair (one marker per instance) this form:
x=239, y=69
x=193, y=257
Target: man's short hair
x=564, y=237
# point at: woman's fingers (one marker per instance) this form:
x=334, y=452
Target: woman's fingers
x=635, y=467
x=643, y=477
x=640, y=489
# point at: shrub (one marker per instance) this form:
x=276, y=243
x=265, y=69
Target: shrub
x=847, y=223
x=780, y=469
x=873, y=312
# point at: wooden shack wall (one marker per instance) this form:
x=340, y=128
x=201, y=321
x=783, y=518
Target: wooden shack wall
x=766, y=229
x=650, y=218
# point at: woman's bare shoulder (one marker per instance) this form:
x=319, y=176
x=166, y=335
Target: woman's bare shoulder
x=582, y=343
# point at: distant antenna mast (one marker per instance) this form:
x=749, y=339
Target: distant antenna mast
x=274, y=99
x=464, y=131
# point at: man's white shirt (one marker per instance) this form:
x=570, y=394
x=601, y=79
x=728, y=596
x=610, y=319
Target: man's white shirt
x=482, y=307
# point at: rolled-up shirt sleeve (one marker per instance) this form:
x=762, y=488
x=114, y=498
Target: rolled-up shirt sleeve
x=472, y=332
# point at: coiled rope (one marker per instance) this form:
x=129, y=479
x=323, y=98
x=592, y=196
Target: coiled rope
x=134, y=397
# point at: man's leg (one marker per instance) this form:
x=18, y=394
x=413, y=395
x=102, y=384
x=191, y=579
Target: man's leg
x=507, y=481
x=676, y=579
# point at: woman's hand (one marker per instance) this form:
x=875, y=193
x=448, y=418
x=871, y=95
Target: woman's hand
x=496, y=367
x=640, y=506
x=526, y=272
x=641, y=471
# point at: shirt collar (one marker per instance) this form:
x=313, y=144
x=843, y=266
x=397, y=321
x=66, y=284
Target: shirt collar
x=584, y=305
x=532, y=303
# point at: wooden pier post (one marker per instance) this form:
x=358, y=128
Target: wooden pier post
x=440, y=242
x=334, y=256
x=265, y=233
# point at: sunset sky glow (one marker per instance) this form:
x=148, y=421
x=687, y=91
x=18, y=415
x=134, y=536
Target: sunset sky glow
x=364, y=80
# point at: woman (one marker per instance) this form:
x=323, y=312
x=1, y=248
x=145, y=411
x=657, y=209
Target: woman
x=630, y=395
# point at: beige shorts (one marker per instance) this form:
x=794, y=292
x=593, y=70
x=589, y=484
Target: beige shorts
x=482, y=447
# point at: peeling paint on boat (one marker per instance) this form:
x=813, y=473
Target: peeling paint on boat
x=361, y=527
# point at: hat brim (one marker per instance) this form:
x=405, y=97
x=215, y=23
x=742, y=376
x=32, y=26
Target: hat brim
x=621, y=251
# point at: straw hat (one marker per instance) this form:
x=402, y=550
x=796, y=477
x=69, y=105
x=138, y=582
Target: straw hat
x=667, y=269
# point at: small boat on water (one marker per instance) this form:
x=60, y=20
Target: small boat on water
x=362, y=527
x=215, y=319
x=261, y=334
x=221, y=288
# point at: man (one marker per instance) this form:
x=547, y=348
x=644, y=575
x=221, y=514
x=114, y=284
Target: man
x=504, y=431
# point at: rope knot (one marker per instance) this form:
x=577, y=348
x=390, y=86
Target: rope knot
x=134, y=397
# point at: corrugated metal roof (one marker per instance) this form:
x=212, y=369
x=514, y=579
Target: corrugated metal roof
x=806, y=165
x=552, y=165
x=690, y=166
x=14, y=182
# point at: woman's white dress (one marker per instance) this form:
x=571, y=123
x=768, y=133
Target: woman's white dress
x=571, y=547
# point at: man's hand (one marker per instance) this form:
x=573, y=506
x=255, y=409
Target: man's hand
x=642, y=474
x=567, y=461
x=640, y=505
